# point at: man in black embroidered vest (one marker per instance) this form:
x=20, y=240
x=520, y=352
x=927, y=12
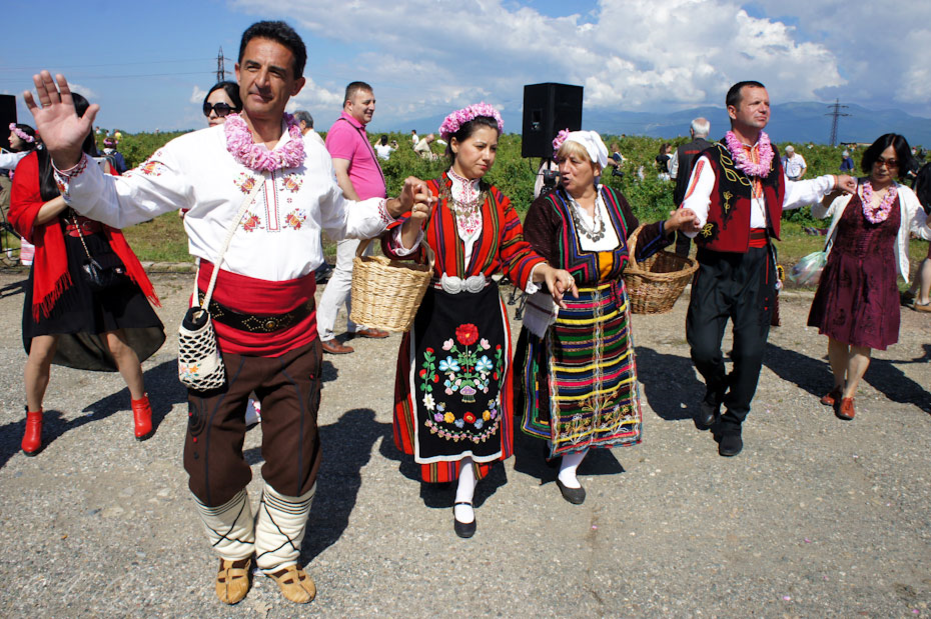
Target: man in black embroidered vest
x=738, y=191
x=680, y=168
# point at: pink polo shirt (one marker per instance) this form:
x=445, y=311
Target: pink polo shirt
x=347, y=140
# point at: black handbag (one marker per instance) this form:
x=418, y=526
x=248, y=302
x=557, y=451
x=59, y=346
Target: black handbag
x=98, y=276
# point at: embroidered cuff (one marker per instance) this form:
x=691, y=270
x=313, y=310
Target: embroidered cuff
x=531, y=287
x=383, y=213
x=397, y=246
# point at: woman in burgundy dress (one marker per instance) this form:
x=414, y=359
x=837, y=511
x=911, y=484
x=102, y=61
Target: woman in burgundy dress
x=857, y=303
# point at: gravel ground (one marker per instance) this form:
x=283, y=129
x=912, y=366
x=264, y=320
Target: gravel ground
x=817, y=517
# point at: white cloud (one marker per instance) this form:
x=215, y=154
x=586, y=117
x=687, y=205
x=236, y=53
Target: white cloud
x=433, y=55
x=198, y=95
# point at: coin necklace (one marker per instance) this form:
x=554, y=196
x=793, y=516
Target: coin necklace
x=597, y=231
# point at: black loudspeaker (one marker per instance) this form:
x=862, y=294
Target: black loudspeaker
x=548, y=109
x=7, y=116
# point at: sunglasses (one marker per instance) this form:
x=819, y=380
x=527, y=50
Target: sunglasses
x=221, y=109
x=889, y=163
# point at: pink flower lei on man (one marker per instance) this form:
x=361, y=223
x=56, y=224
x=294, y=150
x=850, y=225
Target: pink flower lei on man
x=257, y=157
x=458, y=118
x=22, y=135
x=742, y=159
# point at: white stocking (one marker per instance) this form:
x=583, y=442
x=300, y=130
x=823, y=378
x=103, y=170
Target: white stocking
x=465, y=491
x=279, y=528
x=567, y=468
x=229, y=527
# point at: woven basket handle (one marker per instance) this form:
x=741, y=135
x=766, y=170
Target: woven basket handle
x=428, y=251
x=632, y=250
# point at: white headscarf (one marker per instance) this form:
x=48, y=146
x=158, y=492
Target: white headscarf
x=591, y=142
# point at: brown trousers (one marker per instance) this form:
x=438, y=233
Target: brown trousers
x=288, y=388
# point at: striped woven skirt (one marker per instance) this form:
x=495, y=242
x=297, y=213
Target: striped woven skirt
x=579, y=386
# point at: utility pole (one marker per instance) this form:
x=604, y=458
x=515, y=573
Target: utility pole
x=221, y=68
x=835, y=108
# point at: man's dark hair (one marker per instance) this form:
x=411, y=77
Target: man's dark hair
x=355, y=87
x=903, y=153
x=279, y=32
x=734, y=95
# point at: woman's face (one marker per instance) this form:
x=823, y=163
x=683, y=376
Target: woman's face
x=577, y=174
x=885, y=168
x=16, y=142
x=218, y=96
x=476, y=154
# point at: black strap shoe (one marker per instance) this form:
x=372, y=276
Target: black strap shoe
x=464, y=530
x=576, y=496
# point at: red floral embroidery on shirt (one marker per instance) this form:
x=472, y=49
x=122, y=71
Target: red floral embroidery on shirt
x=295, y=219
x=292, y=182
x=251, y=222
x=245, y=182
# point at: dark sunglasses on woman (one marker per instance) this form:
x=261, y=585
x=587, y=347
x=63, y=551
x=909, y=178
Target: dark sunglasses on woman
x=222, y=109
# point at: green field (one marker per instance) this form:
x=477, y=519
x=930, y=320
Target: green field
x=651, y=198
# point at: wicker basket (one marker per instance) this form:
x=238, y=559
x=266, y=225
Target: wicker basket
x=386, y=293
x=655, y=284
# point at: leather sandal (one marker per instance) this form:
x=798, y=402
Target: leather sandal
x=142, y=417
x=233, y=580
x=295, y=584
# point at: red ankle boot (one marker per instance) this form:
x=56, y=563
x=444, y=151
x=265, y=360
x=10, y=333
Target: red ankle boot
x=32, y=439
x=142, y=417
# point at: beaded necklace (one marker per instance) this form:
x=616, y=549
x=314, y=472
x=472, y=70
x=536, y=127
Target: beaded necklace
x=597, y=231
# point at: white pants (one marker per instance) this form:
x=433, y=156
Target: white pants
x=338, y=289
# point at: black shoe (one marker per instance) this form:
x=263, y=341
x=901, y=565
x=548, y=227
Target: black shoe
x=576, y=496
x=709, y=410
x=730, y=445
x=464, y=530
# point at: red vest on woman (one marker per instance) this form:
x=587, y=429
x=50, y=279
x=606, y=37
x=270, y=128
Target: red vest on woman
x=728, y=225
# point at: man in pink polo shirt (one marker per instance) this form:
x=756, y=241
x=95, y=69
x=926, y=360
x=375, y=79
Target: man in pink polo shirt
x=359, y=176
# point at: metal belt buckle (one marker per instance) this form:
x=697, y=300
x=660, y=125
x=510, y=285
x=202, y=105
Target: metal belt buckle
x=455, y=285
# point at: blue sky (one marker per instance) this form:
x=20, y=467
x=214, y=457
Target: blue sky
x=148, y=65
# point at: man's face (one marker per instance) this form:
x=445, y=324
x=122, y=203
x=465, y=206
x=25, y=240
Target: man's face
x=752, y=111
x=304, y=127
x=266, y=79
x=361, y=106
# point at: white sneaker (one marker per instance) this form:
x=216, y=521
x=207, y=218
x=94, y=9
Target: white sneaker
x=253, y=413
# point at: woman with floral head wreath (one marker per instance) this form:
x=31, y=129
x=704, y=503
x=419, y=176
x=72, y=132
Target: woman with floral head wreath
x=857, y=303
x=453, y=387
x=22, y=141
x=578, y=388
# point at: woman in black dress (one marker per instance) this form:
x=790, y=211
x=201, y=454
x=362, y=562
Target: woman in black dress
x=66, y=321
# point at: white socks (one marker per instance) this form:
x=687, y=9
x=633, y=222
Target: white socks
x=229, y=527
x=567, y=468
x=279, y=528
x=465, y=491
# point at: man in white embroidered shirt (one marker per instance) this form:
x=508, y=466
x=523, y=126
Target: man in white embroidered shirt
x=263, y=303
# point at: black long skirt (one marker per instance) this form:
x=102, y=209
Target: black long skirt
x=81, y=315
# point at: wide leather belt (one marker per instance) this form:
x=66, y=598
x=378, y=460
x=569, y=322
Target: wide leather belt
x=257, y=323
x=87, y=227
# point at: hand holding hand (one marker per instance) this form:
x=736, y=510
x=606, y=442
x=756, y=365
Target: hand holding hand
x=62, y=130
x=682, y=219
x=845, y=183
x=414, y=194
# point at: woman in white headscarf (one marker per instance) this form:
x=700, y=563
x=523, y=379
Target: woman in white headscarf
x=579, y=386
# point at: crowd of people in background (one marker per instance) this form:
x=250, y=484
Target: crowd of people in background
x=458, y=393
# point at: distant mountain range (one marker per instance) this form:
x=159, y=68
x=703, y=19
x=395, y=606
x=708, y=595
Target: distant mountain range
x=791, y=122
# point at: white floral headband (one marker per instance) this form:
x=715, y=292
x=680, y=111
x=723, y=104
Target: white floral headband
x=25, y=137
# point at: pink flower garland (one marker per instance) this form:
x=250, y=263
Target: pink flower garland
x=881, y=212
x=22, y=135
x=559, y=140
x=460, y=117
x=257, y=157
x=742, y=159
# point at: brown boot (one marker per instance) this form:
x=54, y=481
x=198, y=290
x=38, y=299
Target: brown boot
x=32, y=438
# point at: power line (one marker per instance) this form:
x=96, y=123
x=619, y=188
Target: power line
x=109, y=64
x=836, y=113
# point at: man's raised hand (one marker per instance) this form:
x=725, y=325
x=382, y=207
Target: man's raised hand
x=61, y=129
